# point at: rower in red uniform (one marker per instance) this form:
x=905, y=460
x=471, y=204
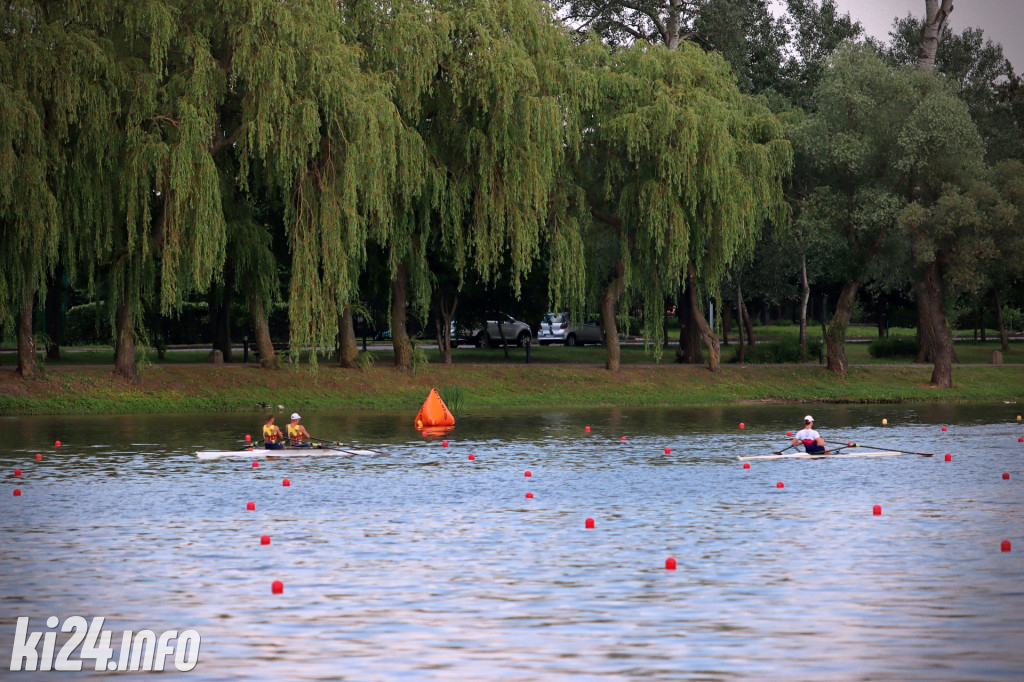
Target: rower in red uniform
x=296, y=432
x=811, y=439
x=272, y=436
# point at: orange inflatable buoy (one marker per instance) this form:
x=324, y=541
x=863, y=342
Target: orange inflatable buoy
x=434, y=412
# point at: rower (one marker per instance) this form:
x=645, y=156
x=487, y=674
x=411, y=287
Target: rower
x=813, y=442
x=296, y=432
x=271, y=435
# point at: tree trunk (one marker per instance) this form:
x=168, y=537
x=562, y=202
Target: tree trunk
x=726, y=322
x=745, y=314
x=220, y=316
x=348, y=349
x=443, y=325
x=1003, y=337
x=124, y=335
x=261, y=332
x=835, y=332
x=805, y=296
x=698, y=321
x=28, y=366
x=689, y=329
x=608, y=303
x=54, y=316
x=936, y=15
x=942, y=372
x=399, y=335
x=742, y=357
x=925, y=330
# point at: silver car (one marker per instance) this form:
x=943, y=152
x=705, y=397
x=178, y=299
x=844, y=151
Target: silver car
x=515, y=332
x=556, y=328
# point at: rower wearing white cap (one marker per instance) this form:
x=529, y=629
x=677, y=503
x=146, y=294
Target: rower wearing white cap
x=811, y=439
x=296, y=432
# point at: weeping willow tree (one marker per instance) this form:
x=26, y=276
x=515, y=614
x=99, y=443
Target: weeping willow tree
x=486, y=101
x=29, y=225
x=682, y=170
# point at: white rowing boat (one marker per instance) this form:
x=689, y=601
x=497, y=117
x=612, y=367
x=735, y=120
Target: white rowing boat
x=260, y=453
x=808, y=455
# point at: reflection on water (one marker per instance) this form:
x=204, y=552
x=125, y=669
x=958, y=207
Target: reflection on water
x=420, y=563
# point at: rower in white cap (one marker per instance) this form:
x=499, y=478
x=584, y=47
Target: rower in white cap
x=811, y=439
x=296, y=433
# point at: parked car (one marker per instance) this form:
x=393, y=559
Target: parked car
x=556, y=328
x=515, y=332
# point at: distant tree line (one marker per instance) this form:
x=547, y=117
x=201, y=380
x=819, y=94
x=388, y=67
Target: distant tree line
x=424, y=160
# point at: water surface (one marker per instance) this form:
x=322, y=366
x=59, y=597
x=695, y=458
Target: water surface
x=421, y=564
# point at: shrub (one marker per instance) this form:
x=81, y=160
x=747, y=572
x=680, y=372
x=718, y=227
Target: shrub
x=893, y=346
x=88, y=325
x=783, y=350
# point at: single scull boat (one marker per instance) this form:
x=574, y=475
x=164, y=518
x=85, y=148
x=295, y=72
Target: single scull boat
x=809, y=455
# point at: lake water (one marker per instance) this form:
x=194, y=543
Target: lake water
x=420, y=564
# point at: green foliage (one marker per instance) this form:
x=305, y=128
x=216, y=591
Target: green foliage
x=365, y=360
x=782, y=350
x=454, y=397
x=680, y=167
x=893, y=347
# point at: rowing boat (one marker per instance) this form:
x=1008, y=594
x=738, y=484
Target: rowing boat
x=808, y=455
x=287, y=452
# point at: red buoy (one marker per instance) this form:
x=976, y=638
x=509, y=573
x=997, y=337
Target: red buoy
x=264, y=539
x=1021, y=439
x=1006, y=475
x=471, y=457
x=249, y=449
x=789, y=434
x=670, y=563
x=623, y=438
x=17, y=492
x=943, y=428
x=586, y=429
x=255, y=465
x=589, y=522
x=17, y=472
x=39, y=457
x=529, y=496
x=780, y=484
x=742, y=425
x=251, y=506
x=286, y=483
x=1005, y=546
x=877, y=510
x=424, y=434
x=277, y=587
x=746, y=465
x=949, y=457
x=527, y=473
x=248, y=438
x=668, y=451
x=56, y=444
x=444, y=444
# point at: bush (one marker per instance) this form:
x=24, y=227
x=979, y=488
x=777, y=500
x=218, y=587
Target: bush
x=893, y=346
x=88, y=325
x=783, y=350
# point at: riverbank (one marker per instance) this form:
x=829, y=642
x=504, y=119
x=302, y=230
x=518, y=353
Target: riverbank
x=236, y=388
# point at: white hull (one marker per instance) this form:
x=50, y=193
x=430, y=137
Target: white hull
x=806, y=455
x=261, y=453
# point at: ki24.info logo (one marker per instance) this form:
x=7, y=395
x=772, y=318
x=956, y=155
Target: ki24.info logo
x=144, y=650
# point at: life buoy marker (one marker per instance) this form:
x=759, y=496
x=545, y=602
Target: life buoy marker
x=433, y=412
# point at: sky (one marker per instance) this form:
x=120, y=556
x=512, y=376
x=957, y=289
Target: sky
x=1002, y=20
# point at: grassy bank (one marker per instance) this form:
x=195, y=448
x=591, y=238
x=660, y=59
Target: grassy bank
x=176, y=388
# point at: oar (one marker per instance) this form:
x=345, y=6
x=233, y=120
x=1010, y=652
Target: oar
x=876, y=447
x=781, y=451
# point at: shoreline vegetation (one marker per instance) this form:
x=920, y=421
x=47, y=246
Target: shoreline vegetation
x=185, y=388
